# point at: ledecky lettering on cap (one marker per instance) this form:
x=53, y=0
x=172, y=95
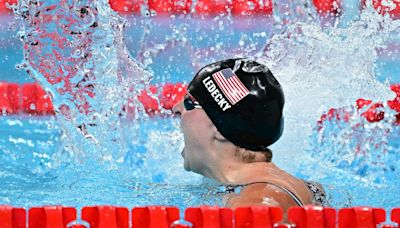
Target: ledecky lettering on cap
x=216, y=94
x=229, y=84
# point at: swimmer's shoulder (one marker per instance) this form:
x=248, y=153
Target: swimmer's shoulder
x=285, y=180
x=275, y=188
x=261, y=194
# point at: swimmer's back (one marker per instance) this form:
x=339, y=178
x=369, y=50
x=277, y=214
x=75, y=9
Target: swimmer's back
x=278, y=188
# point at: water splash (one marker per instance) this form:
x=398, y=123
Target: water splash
x=365, y=149
x=75, y=49
x=323, y=67
x=353, y=155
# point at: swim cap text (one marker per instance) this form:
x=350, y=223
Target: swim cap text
x=216, y=94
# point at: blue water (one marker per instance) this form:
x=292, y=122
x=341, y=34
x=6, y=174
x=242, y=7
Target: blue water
x=30, y=176
x=38, y=167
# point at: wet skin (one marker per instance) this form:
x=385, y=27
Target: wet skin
x=208, y=153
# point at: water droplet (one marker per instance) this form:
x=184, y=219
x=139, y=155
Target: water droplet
x=251, y=5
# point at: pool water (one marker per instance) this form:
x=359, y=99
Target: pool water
x=33, y=173
x=320, y=63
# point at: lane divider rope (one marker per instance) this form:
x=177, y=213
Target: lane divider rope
x=31, y=98
x=199, y=217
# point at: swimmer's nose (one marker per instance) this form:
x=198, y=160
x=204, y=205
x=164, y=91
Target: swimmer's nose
x=177, y=110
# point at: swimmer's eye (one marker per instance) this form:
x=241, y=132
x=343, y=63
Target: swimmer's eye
x=190, y=103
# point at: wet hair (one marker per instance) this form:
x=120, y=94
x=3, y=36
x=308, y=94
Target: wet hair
x=249, y=156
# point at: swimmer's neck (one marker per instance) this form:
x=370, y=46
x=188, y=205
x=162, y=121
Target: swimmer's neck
x=241, y=173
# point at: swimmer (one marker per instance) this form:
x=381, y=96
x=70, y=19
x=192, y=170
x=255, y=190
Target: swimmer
x=230, y=116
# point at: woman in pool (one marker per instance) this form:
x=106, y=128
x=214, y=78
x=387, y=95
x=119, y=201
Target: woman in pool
x=231, y=114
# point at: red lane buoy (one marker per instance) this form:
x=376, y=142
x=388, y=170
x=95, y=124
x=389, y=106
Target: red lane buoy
x=51, y=216
x=161, y=97
x=9, y=98
x=169, y=7
x=4, y=3
x=154, y=216
x=12, y=216
x=210, y=216
x=316, y=216
x=127, y=7
x=372, y=114
x=327, y=6
x=35, y=101
x=390, y=7
x=106, y=216
x=360, y=217
x=212, y=7
x=251, y=7
x=259, y=216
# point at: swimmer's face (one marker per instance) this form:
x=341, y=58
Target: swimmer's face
x=198, y=135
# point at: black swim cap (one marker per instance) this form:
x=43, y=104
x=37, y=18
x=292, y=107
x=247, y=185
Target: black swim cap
x=243, y=100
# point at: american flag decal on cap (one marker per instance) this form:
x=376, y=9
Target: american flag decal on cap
x=230, y=85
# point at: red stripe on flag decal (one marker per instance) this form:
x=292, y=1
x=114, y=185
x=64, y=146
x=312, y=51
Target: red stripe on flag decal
x=227, y=89
x=232, y=87
x=232, y=91
x=240, y=86
x=223, y=86
x=237, y=84
x=235, y=90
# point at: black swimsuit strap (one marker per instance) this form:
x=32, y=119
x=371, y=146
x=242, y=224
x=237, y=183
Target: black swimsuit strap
x=291, y=194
